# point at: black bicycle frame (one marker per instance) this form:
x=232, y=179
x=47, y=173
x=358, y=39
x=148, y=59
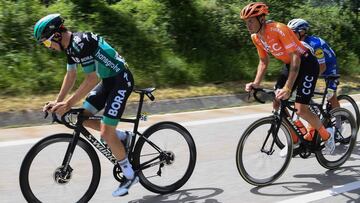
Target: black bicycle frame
x=283, y=116
x=80, y=129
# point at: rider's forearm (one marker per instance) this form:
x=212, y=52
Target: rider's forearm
x=294, y=70
x=67, y=85
x=86, y=86
x=263, y=64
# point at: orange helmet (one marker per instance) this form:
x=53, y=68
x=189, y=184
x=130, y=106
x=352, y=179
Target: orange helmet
x=254, y=9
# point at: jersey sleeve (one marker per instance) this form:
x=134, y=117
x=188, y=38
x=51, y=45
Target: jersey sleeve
x=287, y=38
x=71, y=64
x=261, y=52
x=90, y=44
x=319, y=52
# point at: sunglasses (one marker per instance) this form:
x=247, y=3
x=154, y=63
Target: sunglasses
x=47, y=42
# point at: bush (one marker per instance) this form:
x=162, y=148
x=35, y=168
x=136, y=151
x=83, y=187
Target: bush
x=165, y=42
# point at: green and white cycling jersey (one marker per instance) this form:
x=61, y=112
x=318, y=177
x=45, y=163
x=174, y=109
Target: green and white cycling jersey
x=94, y=54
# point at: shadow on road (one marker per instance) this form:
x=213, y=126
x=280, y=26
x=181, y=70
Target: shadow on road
x=183, y=196
x=324, y=181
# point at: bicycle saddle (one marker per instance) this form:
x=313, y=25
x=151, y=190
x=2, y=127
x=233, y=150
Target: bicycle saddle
x=147, y=92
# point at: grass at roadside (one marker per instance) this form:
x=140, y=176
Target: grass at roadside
x=35, y=102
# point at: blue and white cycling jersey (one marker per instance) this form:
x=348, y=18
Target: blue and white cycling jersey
x=324, y=54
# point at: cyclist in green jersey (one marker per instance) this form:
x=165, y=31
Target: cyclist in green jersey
x=100, y=62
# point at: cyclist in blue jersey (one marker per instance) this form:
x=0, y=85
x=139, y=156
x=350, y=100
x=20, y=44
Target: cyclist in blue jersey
x=323, y=52
x=100, y=62
x=325, y=55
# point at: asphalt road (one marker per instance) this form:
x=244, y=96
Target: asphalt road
x=215, y=178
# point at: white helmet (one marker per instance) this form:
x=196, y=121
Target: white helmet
x=298, y=24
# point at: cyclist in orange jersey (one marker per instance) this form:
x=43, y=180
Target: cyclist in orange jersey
x=300, y=71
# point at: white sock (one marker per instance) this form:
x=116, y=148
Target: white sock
x=126, y=169
x=121, y=134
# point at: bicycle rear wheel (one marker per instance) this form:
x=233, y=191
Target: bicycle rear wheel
x=43, y=178
x=349, y=103
x=166, y=156
x=345, y=139
x=258, y=157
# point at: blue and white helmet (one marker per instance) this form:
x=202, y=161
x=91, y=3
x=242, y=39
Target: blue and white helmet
x=298, y=24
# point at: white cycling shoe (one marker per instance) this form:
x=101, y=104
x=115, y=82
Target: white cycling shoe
x=123, y=189
x=330, y=143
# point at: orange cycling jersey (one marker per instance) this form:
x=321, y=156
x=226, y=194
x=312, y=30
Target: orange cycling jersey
x=279, y=40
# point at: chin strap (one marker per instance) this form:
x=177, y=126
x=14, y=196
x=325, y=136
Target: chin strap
x=61, y=47
x=261, y=24
x=58, y=39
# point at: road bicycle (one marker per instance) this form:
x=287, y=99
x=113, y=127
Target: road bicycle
x=266, y=147
x=65, y=167
x=346, y=101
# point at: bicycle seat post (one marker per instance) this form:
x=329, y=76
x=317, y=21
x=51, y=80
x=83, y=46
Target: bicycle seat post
x=138, y=114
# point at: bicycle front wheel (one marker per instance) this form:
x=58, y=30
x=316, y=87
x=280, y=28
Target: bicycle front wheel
x=263, y=154
x=44, y=179
x=165, y=156
x=349, y=103
x=345, y=139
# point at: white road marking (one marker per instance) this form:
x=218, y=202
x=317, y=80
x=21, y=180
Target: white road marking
x=186, y=124
x=222, y=120
x=324, y=194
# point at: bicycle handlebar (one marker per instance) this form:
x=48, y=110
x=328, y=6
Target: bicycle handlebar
x=55, y=119
x=271, y=93
x=66, y=118
x=257, y=90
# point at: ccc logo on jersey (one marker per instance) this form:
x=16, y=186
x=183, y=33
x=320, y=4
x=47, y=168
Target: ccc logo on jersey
x=319, y=53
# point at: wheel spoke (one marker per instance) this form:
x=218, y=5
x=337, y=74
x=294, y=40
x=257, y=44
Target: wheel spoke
x=44, y=179
x=262, y=167
x=170, y=169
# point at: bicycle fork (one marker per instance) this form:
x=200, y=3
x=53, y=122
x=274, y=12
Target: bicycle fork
x=62, y=174
x=274, y=129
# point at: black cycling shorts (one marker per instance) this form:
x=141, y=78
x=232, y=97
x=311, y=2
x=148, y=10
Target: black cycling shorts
x=306, y=80
x=111, y=93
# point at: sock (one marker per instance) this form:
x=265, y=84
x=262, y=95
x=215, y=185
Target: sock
x=126, y=169
x=121, y=134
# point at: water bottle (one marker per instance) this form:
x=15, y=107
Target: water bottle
x=300, y=126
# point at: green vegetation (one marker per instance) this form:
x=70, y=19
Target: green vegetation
x=166, y=42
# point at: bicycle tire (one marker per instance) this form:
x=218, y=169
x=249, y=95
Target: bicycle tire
x=333, y=164
x=354, y=105
x=245, y=174
x=56, y=138
x=189, y=169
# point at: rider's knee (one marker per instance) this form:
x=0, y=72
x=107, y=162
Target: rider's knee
x=301, y=109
